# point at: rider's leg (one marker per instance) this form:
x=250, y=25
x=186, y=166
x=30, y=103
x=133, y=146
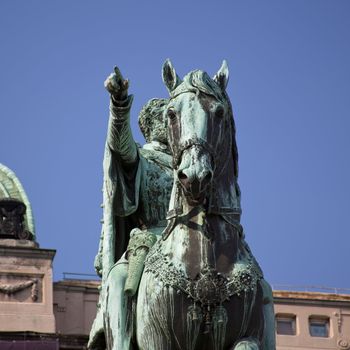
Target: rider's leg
x=97, y=336
x=247, y=344
x=118, y=333
x=269, y=342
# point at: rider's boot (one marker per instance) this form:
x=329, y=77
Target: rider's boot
x=247, y=344
x=269, y=341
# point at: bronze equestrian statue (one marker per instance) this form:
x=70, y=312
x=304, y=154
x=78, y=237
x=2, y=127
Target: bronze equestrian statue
x=176, y=270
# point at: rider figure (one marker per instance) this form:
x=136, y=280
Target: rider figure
x=136, y=190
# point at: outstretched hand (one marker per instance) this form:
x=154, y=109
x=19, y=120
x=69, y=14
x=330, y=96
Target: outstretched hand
x=116, y=85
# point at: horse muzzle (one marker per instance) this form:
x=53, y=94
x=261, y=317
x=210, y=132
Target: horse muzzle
x=195, y=174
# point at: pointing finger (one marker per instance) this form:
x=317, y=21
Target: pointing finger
x=118, y=73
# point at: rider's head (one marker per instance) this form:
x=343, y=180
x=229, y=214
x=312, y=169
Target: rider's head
x=152, y=122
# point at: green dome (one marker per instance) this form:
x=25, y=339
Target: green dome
x=11, y=187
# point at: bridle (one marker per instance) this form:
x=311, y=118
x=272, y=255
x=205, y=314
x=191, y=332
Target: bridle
x=194, y=141
x=177, y=150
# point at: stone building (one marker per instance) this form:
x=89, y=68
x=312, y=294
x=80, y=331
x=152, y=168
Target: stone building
x=304, y=320
x=312, y=320
x=39, y=314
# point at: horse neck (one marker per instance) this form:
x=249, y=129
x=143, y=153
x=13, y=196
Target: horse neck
x=200, y=238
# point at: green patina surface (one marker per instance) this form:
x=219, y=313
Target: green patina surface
x=141, y=200
x=11, y=187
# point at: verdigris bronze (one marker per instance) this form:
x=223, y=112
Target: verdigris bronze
x=12, y=219
x=187, y=279
x=16, y=217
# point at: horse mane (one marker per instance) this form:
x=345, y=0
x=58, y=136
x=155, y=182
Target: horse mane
x=201, y=81
x=233, y=133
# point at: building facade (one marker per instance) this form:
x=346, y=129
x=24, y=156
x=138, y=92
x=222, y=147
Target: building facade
x=304, y=320
x=312, y=320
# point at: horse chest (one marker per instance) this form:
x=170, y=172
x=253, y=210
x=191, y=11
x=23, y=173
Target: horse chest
x=205, y=297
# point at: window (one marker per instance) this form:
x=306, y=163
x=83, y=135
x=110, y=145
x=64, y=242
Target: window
x=286, y=324
x=319, y=326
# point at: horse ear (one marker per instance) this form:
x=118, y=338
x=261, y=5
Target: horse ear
x=170, y=78
x=221, y=77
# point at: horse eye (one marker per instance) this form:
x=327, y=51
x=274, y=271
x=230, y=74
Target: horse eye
x=219, y=112
x=171, y=114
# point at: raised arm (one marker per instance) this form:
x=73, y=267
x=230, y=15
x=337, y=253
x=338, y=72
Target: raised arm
x=119, y=136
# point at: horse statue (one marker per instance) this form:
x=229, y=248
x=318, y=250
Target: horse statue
x=199, y=286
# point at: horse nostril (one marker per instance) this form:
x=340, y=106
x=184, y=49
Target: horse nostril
x=208, y=177
x=181, y=175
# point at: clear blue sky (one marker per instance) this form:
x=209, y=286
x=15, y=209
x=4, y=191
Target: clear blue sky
x=289, y=85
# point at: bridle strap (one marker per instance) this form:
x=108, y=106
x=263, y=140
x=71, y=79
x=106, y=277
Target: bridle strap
x=193, y=141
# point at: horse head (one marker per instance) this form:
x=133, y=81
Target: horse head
x=200, y=129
